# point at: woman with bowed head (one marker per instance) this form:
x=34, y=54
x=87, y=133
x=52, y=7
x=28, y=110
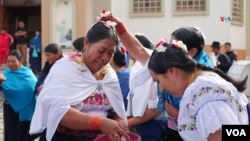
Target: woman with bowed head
x=210, y=98
x=79, y=91
x=194, y=40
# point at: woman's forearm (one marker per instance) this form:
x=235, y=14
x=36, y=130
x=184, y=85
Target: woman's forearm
x=71, y=120
x=217, y=136
x=148, y=115
x=133, y=46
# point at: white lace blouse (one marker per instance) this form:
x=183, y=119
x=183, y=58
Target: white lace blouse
x=207, y=104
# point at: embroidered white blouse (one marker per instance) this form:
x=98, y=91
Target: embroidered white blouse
x=207, y=104
x=69, y=83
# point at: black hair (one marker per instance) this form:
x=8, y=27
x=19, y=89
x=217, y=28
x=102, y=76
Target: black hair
x=169, y=56
x=99, y=32
x=39, y=30
x=3, y=28
x=192, y=37
x=145, y=41
x=228, y=43
x=17, y=54
x=52, y=48
x=119, y=58
x=78, y=44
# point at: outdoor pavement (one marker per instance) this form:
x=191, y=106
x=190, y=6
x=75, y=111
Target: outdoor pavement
x=1, y=122
x=1, y=112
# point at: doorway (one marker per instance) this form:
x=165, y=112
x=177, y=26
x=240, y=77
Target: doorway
x=31, y=15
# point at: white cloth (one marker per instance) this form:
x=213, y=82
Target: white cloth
x=140, y=85
x=207, y=104
x=69, y=83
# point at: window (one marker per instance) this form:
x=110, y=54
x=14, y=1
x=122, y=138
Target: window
x=146, y=8
x=21, y=2
x=237, y=12
x=190, y=7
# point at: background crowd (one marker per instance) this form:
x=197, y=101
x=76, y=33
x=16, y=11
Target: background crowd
x=171, y=92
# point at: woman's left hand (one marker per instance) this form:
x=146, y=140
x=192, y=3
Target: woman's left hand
x=2, y=78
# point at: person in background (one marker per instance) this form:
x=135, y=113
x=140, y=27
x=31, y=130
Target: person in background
x=5, y=42
x=68, y=36
x=80, y=90
x=21, y=40
x=78, y=45
x=229, y=52
x=210, y=98
x=223, y=61
x=20, y=101
x=118, y=63
x=195, y=42
x=35, y=45
x=52, y=54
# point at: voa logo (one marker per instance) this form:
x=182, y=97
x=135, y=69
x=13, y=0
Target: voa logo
x=226, y=19
x=236, y=132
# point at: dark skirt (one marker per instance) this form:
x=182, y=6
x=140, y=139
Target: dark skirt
x=35, y=62
x=15, y=130
x=152, y=130
x=172, y=135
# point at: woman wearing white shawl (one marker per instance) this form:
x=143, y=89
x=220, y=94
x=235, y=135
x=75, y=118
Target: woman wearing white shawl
x=142, y=99
x=75, y=99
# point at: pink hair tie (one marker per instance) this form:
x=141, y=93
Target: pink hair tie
x=162, y=42
x=123, y=49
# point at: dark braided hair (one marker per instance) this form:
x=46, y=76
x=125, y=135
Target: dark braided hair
x=240, y=85
x=168, y=56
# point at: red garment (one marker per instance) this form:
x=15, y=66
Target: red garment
x=5, y=41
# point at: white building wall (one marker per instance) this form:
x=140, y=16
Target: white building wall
x=162, y=27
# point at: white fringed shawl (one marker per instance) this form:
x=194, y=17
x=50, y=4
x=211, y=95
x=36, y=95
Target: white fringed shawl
x=69, y=83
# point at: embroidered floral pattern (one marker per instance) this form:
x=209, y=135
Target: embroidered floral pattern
x=201, y=92
x=189, y=126
x=205, y=90
x=97, y=99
